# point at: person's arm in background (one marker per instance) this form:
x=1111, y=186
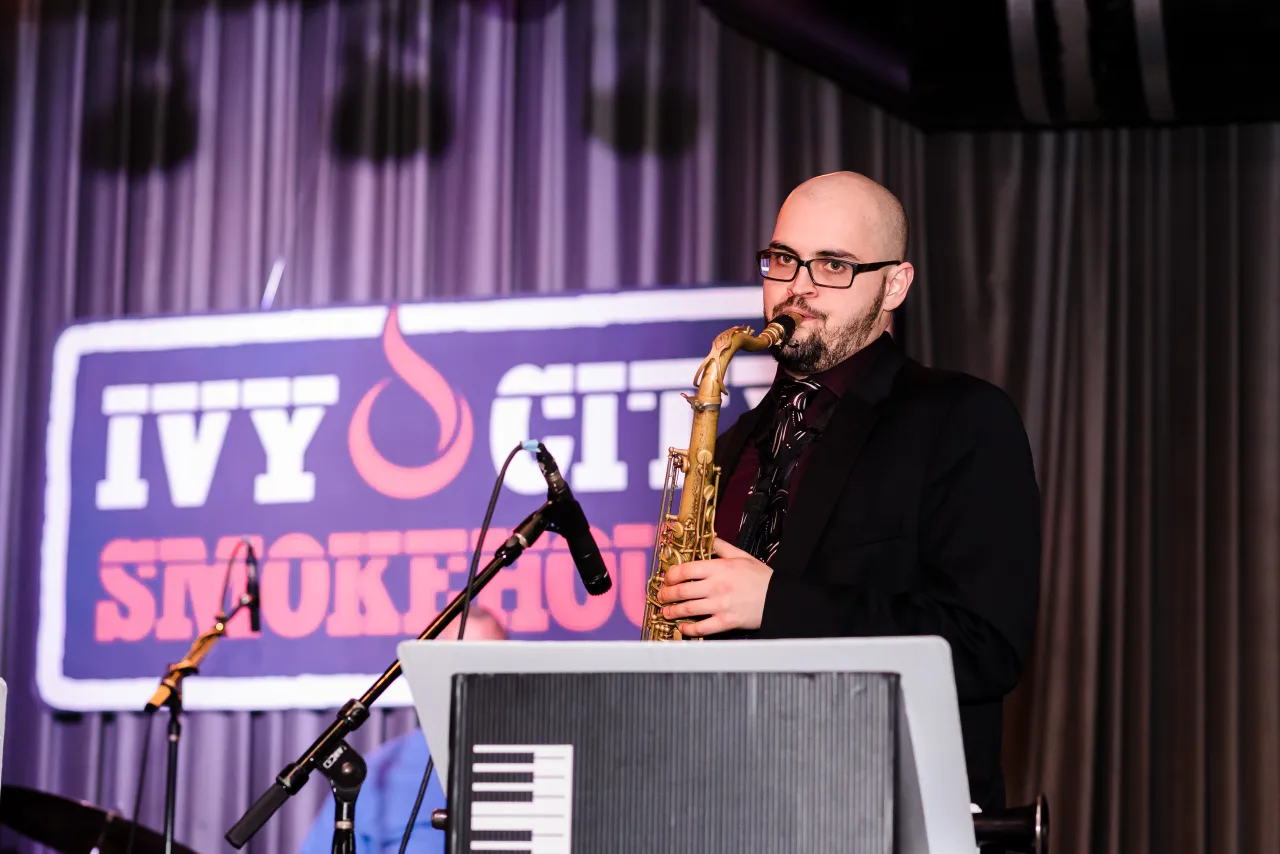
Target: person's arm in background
x=369, y=812
x=393, y=779
x=320, y=838
x=386, y=799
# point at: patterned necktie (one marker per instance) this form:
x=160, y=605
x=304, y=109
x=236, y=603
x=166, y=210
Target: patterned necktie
x=761, y=530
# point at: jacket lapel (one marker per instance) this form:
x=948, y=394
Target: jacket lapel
x=834, y=453
x=730, y=445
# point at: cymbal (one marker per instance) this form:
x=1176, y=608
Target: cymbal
x=74, y=827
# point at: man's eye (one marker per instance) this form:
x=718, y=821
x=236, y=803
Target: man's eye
x=784, y=260
x=834, y=266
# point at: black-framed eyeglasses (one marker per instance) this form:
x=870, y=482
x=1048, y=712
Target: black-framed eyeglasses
x=825, y=271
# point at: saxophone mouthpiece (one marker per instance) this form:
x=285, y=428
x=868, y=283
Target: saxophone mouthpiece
x=787, y=321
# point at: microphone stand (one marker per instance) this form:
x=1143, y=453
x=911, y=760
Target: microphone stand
x=346, y=775
x=169, y=695
x=330, y=754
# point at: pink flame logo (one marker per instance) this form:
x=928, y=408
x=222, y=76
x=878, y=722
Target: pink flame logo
x=456, y=429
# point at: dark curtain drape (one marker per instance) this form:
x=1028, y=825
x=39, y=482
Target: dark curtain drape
x=1123, y=286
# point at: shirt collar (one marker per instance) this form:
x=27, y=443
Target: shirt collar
x=838, y=379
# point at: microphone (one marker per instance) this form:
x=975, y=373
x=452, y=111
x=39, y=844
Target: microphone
x=251, y=589
x=569, y=522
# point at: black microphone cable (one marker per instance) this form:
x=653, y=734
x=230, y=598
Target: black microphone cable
x=417, y=804
x=142, y=779
x=484, y=529
x=226, y=579
x=462, y=619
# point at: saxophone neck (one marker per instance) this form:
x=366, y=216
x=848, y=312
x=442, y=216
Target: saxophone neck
x=710, y=377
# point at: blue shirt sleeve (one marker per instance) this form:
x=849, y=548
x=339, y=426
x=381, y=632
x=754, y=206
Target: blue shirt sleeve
x=385, y=801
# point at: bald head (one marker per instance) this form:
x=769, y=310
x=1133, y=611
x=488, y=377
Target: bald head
x=481, y=625
x=828, y=224
x=855, y=201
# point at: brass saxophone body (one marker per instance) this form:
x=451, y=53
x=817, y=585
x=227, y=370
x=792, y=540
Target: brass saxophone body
x=688, y=533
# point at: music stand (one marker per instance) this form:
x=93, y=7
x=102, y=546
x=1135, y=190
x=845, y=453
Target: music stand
x=931, y=797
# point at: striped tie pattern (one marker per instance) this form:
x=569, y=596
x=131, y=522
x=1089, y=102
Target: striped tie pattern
x=761, y=530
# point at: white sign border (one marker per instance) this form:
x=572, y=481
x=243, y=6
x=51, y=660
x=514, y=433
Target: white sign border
x=131, y=335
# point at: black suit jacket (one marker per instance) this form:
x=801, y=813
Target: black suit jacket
x=917, y=513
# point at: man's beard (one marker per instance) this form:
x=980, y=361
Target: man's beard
x=826, y=348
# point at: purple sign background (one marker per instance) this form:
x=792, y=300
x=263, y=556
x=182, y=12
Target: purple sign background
x=356, y=448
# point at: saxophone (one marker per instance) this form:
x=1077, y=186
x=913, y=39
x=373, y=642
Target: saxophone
x=688, y=534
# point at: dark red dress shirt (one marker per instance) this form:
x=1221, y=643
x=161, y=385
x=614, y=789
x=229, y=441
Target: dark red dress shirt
x=835, y=383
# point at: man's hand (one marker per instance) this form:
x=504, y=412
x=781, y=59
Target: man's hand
x=729, y=591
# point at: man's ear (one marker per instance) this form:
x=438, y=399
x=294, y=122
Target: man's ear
x=899, y=283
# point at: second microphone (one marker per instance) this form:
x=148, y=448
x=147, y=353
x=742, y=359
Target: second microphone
x=568, y=520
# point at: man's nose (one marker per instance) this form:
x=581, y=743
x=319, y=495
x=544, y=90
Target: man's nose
x=802, y=284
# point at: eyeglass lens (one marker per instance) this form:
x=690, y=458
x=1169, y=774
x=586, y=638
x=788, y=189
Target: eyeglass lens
x=827, y=272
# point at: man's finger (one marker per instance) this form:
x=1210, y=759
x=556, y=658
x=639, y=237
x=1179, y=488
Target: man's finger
x=691, y=571
x=690, y=608
x=702, y=628
x=723, y=548
x=681, y=592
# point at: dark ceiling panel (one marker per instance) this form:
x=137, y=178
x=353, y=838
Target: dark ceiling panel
x=973, y=64
x=858, y=44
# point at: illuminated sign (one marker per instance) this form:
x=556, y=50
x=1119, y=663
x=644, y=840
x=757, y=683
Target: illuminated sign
x=356, y=448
